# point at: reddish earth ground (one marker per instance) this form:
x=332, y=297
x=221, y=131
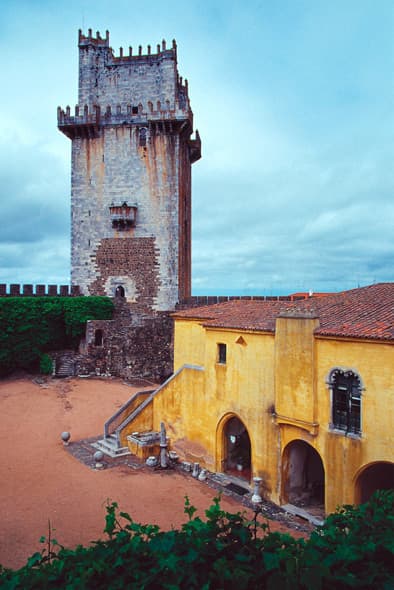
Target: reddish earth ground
x=41, y=481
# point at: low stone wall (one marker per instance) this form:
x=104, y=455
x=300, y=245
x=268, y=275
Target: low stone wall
x=201, y=300
x=29, y=290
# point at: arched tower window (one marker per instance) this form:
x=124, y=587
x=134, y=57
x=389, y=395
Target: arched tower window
x=119, y=291
x=346, y=401
x=98, y=338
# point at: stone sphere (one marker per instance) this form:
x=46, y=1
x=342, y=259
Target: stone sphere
x=98, y=456
x=65, y=436
x=151, y=461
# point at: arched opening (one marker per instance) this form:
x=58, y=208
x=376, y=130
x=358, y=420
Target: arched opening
x=98, y=338
x=303, y=477
x=378, y=476
x=119, y=291
x=236, y=449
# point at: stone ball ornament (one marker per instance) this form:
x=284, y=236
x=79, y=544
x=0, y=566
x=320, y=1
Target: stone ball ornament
x=65, y=436
x=98, y=457
x=151, y=461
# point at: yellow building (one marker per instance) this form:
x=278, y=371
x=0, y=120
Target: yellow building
x=298, y=393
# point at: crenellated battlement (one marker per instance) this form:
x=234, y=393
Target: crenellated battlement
x=128, y=55
x=29, y=290
x=129, y=87
x=89, y=39
x=86, y=120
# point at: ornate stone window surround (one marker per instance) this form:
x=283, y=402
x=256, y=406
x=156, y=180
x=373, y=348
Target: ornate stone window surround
x=344, y=372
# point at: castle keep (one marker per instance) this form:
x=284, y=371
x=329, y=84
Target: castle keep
x=131, y=175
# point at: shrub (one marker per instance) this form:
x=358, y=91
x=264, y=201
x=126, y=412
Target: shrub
x=46, y=365
x=353, y=549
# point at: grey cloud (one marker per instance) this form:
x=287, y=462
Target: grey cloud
x=33, y=195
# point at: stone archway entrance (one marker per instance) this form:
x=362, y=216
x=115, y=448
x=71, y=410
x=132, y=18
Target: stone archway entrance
x=236, y=449
x=303, y=478
x=378, y=476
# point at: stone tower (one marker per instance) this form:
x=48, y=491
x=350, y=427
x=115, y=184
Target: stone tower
x=131, y=175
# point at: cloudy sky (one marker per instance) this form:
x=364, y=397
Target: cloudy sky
x=294, y=103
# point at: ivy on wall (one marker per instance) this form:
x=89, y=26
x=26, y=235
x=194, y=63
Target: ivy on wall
x=31, y=326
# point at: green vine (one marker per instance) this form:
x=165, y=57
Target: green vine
x=32, y=326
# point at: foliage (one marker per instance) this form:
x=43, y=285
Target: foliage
x=353, y=549
x=46, y=365
x=30, y=326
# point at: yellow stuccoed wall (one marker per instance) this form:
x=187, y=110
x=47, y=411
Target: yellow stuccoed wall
x=196, y=404
x=294, y=368
x=277, y=386
x=345, y=457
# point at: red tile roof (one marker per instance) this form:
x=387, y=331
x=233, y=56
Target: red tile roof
x=367, y=313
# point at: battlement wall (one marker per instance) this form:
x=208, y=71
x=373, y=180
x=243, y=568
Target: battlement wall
x=201, y=300
x=29, y=290
x=99, y=41
x=124, y=114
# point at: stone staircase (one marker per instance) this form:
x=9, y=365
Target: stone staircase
x=110, y=446
x=65, y=366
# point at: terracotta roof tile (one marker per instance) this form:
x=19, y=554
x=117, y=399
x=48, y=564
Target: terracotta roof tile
x=367, y=312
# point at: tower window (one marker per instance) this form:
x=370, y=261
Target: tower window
x=222, y=353
x=98, y=338
x=134, y=110
x=142, y=136
x=119, y=291
x=346, y=401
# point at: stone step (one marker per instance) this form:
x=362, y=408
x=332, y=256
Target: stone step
x=65, y=367
x=297, y=511
x=109, y=447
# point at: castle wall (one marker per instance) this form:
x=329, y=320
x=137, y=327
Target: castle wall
x=131, y=345
x=114, y=168
x=29, y=290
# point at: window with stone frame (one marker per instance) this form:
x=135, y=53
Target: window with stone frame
x=345, y=401
x=98, y=337
x=222, y=353
x=142, y=136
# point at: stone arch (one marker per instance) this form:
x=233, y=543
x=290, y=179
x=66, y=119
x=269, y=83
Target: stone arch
x=302, y=476
x=234, y=449
x=374, y=476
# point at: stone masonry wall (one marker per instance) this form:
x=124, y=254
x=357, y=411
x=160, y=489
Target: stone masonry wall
x=115, y=169
x=132, y=345
x=128, y=258
x=105, y=79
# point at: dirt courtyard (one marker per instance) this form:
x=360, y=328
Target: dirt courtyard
x=41, y=481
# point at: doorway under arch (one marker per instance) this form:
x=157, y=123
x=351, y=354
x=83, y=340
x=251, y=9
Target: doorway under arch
x=377, y=476
x=303, y=479
x=119, y=291
x=236, y=449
